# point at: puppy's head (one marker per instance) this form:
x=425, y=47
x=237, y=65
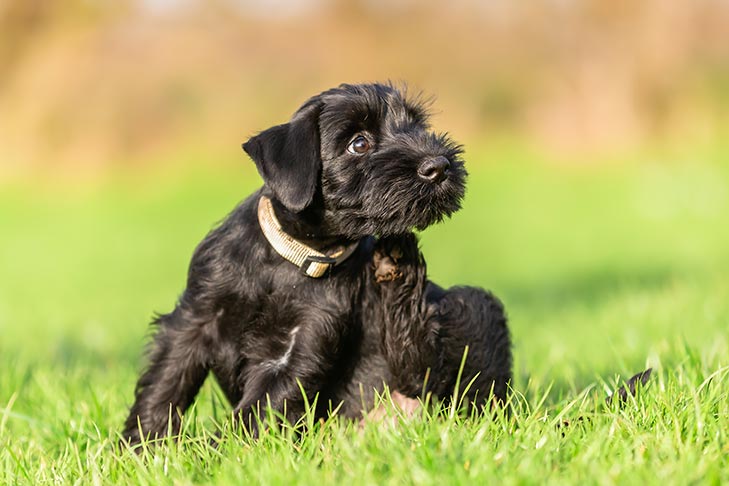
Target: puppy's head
x=364, y=159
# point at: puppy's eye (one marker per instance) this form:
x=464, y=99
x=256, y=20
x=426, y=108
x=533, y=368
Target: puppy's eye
x=359, y=145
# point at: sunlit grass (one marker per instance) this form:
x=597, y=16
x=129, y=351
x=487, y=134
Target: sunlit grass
x=604, y=271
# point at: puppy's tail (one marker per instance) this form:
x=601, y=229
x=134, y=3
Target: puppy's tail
x=630, y=388
x=621, y=395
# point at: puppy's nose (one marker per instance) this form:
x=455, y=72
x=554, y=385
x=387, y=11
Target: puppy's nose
x=434, y=169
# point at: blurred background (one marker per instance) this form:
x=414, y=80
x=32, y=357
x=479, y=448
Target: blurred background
x=90, y=84
x=596, y=140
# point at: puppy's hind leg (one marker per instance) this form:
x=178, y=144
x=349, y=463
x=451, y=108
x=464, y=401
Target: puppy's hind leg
x=469, y=316
x=409, y=334
x=176, y=371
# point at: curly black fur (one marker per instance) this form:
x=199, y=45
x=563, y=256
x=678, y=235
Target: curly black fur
x=264, y=330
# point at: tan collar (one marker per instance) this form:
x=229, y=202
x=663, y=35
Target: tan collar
x=311, y=262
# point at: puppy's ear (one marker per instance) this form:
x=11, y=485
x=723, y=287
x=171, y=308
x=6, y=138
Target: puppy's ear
x=288, y=157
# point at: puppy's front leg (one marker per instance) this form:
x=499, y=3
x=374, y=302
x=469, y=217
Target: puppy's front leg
x=409, y=337
x=280, y=381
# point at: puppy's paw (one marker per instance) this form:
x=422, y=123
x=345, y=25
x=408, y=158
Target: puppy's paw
x=394, y=255
x=386, y=269
x=403, y=408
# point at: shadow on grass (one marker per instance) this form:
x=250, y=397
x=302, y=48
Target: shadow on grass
x=590, y=288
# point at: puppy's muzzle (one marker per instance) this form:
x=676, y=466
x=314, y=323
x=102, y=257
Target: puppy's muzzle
x=434, y=169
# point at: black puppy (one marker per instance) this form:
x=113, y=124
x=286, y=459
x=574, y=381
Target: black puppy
x=315, y=282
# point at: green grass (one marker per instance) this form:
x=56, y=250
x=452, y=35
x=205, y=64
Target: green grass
x=604, y=271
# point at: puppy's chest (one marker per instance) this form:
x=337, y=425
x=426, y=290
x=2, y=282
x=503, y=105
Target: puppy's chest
x=282, y=321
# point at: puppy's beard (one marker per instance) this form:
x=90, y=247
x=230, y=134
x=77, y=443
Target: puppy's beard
x=421, y=204
x=440, y=204
x=400, y=209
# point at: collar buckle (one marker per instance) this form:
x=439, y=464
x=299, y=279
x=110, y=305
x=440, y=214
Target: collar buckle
x=313, y=264
x=317, y=266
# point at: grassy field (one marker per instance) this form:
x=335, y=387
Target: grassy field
x=604, y=270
